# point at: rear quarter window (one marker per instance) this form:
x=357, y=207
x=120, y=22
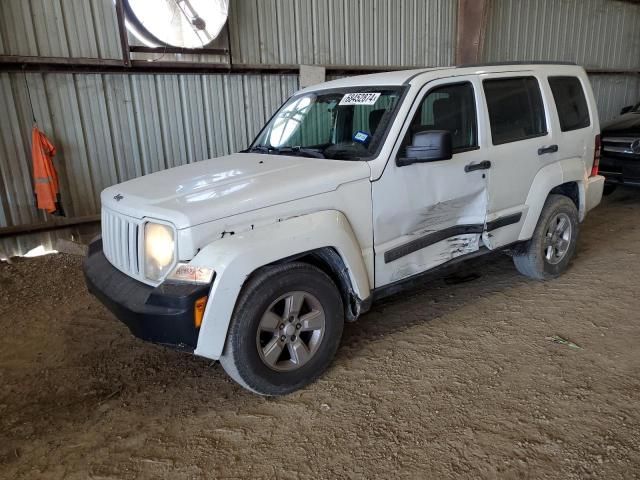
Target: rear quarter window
x=516, y=111
x=571, y=103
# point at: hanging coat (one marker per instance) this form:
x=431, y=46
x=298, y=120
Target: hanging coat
x=45, y=177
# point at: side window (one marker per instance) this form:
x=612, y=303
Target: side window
x=450, y=107
x=570, y=103
x=515, y=108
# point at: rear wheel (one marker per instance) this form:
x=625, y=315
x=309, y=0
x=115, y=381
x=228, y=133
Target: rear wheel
x=285, y=329
x=554, y=240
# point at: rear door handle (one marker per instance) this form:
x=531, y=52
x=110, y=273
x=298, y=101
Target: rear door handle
x=484, y=165
x=549, y=149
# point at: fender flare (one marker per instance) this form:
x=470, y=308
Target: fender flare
x=547, y=178
x=235, y=258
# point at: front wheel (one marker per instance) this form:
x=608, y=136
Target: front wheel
x=553, y=245
x=285, y=329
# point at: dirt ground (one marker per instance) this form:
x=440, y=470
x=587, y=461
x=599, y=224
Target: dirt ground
x=454, y=380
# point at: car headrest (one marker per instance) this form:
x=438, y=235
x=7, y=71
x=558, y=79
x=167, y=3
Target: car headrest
x=374, y=119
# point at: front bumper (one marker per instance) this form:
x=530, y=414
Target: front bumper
x=620, y=170
x=163, y=315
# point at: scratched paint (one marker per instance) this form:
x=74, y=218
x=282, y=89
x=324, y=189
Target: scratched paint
x=434, y=216
x=425, y=199
x=434, y=255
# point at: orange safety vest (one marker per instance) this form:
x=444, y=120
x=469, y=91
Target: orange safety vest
x=45, y=177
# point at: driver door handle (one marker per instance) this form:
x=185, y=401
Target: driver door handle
x=484, y=165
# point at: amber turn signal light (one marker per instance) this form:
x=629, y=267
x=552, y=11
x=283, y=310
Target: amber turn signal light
x=198, y=310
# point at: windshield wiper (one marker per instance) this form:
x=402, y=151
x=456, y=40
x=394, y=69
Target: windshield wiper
x=258, y=149
x=305, y=152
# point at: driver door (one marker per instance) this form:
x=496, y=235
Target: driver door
x=427, y=214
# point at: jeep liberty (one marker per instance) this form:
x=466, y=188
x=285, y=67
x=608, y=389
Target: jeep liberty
x=353, y=189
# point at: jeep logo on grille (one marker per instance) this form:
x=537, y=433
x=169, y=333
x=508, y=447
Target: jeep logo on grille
x=118, y=197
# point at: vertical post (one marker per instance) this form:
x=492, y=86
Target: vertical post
x=122, y=32
x=228, y=26
x=472, y=20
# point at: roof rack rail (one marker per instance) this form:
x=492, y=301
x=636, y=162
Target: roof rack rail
x=526, y=62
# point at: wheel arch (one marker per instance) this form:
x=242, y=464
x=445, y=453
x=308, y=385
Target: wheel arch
x=330, y=262
x=324, y=239
x=570, y=190
x=567, y=178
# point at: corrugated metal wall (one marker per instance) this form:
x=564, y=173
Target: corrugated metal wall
x=110, y=128
x=593, y=33
x=613, y=92
x=598, y=34
x=59, y=28
x=339, y=32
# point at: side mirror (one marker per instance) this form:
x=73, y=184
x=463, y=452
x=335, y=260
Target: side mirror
x=427, y=146
x=626, y=109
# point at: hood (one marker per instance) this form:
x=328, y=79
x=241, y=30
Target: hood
x=221, y=187
x=626, y=124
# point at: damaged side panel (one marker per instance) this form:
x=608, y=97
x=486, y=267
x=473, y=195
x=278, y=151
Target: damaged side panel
x=432, y=256
x=426, y=215
x=430, y=212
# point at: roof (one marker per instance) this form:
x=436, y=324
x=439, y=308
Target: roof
x=403, y=77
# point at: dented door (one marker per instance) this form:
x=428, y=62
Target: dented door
x=427, y=214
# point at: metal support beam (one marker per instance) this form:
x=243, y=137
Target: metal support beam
x=472, y=21
x=11, y=63
x=46, y=226
x=191, y=51
x=122, y=34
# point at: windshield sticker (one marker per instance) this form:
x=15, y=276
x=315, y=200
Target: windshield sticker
x=360, y=98
x=360, y=136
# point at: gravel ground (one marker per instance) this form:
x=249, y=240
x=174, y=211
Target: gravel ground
x=457, y=379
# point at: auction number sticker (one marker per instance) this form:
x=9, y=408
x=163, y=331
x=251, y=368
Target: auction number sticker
x=360, y=98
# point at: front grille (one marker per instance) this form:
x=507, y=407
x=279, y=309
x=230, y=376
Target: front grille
x=120, y=239
x=620, y=145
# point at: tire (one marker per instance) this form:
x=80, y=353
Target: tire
x=251, y=355
x=535, y=259
x=609, y=188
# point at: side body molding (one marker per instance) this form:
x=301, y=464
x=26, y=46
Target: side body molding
x=549, y=177
x=234, y=258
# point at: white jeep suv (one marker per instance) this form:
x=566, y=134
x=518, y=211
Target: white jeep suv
x=353, y=189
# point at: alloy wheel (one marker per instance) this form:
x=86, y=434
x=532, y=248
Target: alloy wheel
x=290, y=331
x=557, y=238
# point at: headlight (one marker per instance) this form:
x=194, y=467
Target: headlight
x=159, y=250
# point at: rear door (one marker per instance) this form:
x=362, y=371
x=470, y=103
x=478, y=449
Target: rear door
x=574, y=119
x=522, y=143
x=426, y=214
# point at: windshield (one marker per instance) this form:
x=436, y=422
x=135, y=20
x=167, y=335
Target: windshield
x=345, y=124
